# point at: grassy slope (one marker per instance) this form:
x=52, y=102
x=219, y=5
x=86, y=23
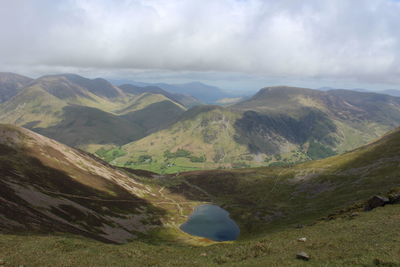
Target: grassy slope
x=332, y=189
x=65, y=107
x=32, y=106
x=340, y=242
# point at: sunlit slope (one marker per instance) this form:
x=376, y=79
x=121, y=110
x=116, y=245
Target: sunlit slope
x=48, y=187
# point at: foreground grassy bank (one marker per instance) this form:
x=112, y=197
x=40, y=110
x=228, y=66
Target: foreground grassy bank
x=366, y=239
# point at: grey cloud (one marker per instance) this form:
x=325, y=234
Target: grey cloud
x=336, y=39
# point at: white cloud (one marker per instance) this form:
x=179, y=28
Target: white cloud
x=337, y=39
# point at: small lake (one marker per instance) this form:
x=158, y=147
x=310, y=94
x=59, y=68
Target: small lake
x=212, y=222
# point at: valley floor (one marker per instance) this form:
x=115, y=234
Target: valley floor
x=362, y=239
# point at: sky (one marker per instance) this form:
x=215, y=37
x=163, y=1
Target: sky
x=235, y=44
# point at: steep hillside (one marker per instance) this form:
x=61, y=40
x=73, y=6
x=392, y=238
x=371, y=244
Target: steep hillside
x=85, y=113
x=279, y=125
x=48, y=187
x=11, y=84
x=321, y=202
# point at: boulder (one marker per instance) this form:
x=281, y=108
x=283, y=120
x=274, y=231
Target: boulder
x=302, y=239
x=376, y=201
x=302, y=256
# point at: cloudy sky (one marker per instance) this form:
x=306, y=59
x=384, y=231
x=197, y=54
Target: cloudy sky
x=236, y=44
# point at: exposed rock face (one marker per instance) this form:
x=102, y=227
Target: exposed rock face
x=376, y=201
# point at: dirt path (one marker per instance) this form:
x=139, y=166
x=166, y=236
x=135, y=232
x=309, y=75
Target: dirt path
x=172, y=201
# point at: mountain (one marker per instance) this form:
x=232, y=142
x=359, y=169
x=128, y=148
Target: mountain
x=88, y=112
x=337, y=119
x=54, y=195
x=185, y=100
x=10, y=85
x=203, y=92
x=278, y=125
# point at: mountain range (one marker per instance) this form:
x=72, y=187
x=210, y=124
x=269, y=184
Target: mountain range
x=83, y=112
x=278, y=125
x=153, y=129
x=85, y=165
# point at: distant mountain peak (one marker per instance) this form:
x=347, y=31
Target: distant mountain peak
x=97, y=86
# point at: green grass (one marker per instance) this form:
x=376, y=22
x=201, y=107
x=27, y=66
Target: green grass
x=363, y=240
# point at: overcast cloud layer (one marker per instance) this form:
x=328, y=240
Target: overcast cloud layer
x=333, y=39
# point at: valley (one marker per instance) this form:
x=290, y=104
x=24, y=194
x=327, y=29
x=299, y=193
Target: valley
x=86, y=165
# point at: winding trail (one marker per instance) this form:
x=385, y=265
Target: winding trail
x=172, y=200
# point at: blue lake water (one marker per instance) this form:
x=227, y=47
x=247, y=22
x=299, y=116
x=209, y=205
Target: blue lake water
x=212, y=222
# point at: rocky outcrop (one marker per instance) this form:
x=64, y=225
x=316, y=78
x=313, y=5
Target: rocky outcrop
x=302, y=256
x=376, y=201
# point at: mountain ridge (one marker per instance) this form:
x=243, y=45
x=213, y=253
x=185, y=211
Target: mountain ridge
x=277, y=124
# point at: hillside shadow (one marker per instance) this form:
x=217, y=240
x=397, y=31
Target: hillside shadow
x=42, y=183
x=262, y=133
